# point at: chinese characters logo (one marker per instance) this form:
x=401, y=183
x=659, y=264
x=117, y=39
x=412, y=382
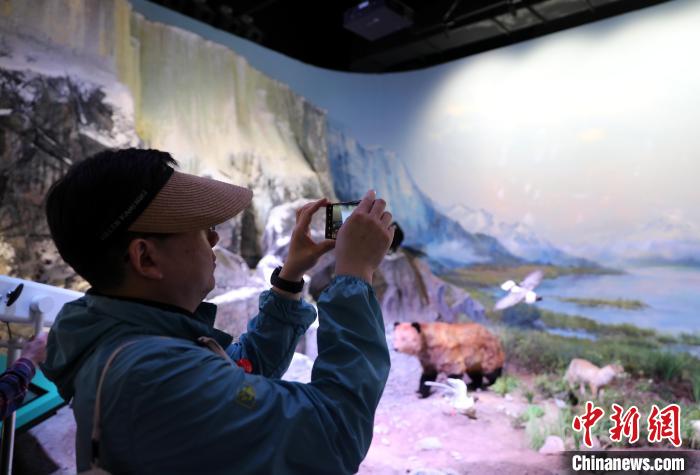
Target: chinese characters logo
x=661, y=423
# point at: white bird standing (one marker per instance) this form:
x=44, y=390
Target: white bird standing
x=523, y=291
x=461, y=402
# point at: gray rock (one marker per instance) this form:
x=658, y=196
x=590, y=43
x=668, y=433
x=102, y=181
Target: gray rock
x=231, y=273
x=695, y=441
x=429, y=443
x=235, y=308
x=553, y=445
x=409, y=291
x=431, y=471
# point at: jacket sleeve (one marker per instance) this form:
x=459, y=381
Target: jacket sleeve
x=247, y=423
x=273, y=334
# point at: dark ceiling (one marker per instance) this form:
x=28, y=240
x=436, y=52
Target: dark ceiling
x=313, y=31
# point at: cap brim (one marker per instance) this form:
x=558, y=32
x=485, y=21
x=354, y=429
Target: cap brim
x=189, y=202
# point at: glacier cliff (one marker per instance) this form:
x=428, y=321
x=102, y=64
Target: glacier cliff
x=356, y=169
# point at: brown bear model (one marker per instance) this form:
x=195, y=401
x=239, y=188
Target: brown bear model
x=453, y=349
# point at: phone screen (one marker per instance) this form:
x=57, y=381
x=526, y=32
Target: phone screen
x=336, y=214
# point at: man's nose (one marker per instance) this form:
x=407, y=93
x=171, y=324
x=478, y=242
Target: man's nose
x=213, y=237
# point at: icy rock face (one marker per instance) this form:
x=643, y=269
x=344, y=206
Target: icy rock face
x=48, y=123
x=236, y=292
x=199, y=100
x=243, y=127
x=356, y=169
x=235, y=308
x=409, y=291
x=232, y=272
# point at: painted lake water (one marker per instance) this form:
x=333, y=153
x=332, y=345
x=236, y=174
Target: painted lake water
x=671, y=296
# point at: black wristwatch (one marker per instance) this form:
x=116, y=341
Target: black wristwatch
x=284, y=284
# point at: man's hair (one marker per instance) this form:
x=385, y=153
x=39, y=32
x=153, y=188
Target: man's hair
x=87, y=199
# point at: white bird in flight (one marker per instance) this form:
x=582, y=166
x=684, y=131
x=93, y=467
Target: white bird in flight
x=520, y=292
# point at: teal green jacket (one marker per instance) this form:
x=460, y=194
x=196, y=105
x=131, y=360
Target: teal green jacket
x=172, y=406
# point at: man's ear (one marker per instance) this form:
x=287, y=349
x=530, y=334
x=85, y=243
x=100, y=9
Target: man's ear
x=143, y=258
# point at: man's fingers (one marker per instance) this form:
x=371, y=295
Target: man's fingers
x=386, y=219
x=378, y=208
x=366, y=203
x=307, y=211
x=326, y=245
x=392, y=230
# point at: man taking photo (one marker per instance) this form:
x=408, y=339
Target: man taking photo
x=142, y=233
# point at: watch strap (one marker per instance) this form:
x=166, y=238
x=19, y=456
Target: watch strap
x=284, y=284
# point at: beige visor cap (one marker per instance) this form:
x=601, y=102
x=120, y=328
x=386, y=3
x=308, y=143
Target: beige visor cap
x=189, y=202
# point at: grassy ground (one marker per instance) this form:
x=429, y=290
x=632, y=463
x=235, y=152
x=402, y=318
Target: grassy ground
x=536, y=365
x=675, y=375
x=654, y=379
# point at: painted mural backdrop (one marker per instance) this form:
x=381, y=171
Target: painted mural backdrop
x=576, y=150
x=573, y=157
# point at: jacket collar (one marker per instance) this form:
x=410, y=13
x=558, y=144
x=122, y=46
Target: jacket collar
x=161, y=319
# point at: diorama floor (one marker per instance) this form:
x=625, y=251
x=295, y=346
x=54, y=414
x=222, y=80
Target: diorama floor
x=424, y=436
x=411, y=435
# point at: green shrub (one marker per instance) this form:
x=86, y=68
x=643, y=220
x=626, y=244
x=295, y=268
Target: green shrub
x=666, y=366
x=695, y=383
x=504, y=385
x=529, y=396
x=531, y=412
x=550, y=386
x=536, y=434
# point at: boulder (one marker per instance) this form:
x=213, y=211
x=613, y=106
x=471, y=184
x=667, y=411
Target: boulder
x=553, y=445
x=429, y=443
x=409, y=291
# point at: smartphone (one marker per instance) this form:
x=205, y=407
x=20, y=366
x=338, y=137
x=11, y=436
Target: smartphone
x=336, y=214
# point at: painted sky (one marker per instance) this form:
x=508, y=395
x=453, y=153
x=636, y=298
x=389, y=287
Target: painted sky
x=585, y=132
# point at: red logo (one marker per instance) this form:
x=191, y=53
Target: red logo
x=665, y=424
x=587, y=421
x=626, y=424
x=245, y=364
x=661, y=424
